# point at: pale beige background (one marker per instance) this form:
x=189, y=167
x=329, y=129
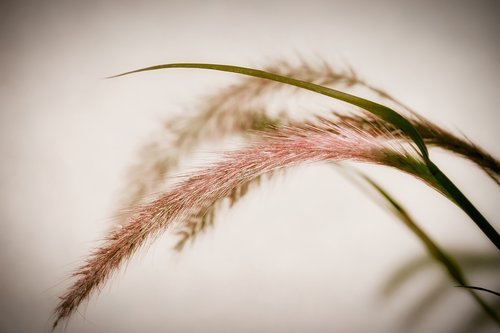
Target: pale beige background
x=307, y=252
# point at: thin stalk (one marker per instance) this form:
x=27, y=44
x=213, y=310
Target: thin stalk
x=461, y=201
x=381, y=111
x=481, y=289
x=451, y=266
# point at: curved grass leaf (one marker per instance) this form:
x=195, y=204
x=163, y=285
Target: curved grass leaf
x=381, y=111
x=439, y=255
x=227, y=112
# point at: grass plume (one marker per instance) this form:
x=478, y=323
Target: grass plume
x=434, y=136
x=228, y=112
x=241, y=108
x=381, y=111
x=236, y=109
x=282, y=148
x=377, y=135
x=197, y=222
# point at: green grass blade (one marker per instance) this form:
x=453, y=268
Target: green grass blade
x=461, y=201
x=436, y=252
x=381, y=111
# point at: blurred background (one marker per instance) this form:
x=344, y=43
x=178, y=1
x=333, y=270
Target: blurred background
x=306, y=251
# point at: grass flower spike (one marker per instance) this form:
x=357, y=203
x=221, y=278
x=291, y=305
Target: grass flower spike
x=373, y=133
x=283, y=148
